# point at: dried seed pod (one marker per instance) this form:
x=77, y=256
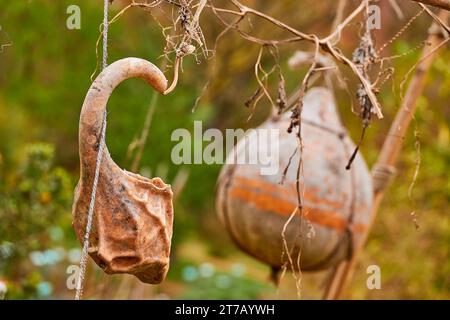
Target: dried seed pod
x=133, y=215
x=336, y=202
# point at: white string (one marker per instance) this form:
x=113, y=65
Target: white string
x=84, y=255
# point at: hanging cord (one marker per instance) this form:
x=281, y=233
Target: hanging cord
x=84, y=255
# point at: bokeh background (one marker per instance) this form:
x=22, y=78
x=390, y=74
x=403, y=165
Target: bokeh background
x=44, y=76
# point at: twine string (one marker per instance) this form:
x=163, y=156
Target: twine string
x=84, y=254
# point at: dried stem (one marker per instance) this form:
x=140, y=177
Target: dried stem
x=190, y=37
x=144, y=134
x=390, y=152
x=327, y=44
x=443, y=4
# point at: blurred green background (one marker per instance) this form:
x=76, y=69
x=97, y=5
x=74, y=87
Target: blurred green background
x=44, y=76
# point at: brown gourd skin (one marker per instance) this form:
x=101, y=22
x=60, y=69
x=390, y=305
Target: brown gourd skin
x=133, y=215
x=337, y=202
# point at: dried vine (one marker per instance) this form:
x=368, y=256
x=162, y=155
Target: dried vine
x=186, y=38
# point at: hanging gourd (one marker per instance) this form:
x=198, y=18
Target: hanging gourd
x=133, y=215
x=255, y=208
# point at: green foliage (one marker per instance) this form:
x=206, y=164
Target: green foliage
x=205, y=283
x=225, y=286
x=38, y=196
x=44, y=77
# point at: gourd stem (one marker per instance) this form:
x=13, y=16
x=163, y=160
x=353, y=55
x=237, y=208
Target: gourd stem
x=97, y=97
